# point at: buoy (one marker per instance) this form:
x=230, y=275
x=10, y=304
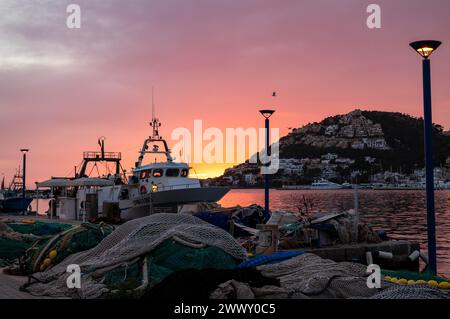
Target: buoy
x=52, y=254
x=388, y=278
x=394, y=280
x=411, y=282
x=47, y=262
x=42, y=268
x=402, y=281
x=444, y=285
x=433, y=283
x=421, y=282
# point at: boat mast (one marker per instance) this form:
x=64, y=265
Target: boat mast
x=155, y=123
x=155, y=137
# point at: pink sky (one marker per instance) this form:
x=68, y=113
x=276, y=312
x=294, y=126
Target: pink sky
x=215, y=60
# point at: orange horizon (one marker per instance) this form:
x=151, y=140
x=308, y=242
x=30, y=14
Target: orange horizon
x=216, y=61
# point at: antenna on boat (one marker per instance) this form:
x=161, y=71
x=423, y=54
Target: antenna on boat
x=153, y=103
x=155, y=124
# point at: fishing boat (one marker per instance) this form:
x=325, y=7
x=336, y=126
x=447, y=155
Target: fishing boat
x=165, y=184
x=154, y=186
x=12, y=199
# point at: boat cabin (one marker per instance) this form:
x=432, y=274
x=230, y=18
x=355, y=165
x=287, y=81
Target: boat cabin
x=163, y=176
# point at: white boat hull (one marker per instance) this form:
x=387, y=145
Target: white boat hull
x=141, y=206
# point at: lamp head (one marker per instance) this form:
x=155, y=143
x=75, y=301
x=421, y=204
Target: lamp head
x=266, y=113
x=24, y=150
x=425, y=47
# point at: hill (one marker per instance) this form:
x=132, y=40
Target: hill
x=341, y=147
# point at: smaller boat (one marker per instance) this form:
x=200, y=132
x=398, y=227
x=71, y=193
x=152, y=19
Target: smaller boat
x=324, y=184
x=12, y=199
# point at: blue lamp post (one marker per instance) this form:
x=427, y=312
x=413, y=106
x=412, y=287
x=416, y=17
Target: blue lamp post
x=267, y=114
x=24, y=152
x=425, y=49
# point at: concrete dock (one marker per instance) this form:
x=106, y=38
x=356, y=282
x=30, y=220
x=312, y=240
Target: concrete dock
x=9, y=287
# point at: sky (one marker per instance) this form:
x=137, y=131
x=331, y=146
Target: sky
x=214, y=60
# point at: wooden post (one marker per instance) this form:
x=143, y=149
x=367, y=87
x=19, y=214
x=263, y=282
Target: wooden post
x=268, y=239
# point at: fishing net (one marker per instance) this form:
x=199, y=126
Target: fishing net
x=39, y=228
x=11, y=249
x=412, y=292
x=17, y=237
x=51, y=250
x=131, y=240
x=310, y=276
x=413, y=275
x=167, y=258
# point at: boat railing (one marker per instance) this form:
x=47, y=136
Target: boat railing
x=104, y=155
x=176, y=186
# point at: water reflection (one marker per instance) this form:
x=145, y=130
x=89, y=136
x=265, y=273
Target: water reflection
x=401, y=213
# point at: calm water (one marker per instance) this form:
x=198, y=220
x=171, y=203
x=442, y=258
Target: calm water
x=401, y=213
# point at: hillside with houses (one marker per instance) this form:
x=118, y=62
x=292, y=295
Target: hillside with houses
x=357, y=147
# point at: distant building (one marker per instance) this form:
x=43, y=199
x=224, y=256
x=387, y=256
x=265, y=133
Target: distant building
x=344, y=160
x=250, y=179
x=329, y=157
x=228, y=179
x=369, y=159
x=357, y=145
x=331, y=130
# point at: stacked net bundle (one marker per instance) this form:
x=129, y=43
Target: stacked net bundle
x=11, y=249
x=412, y=292
x=130, y=241
x=51, y=250
x=167, y=258
x=310, y=276
x=39, y=228
x=17, y=237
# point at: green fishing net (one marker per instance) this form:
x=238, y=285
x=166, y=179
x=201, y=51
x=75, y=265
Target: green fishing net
x=58, y=247
x=11, y=249
x=39, y=228
x=169, y=257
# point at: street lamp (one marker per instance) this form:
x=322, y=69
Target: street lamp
x=425, y=49
x=24, y=152
x=267, y=114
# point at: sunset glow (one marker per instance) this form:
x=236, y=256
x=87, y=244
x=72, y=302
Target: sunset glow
x=218, y=61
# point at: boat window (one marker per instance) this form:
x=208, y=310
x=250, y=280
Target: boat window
x=145, y=174
x=172, y=172
x=157, y=172
x=184, y=172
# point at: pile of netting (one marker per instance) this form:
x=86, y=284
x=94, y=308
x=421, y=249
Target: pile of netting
x=38, y=228
x=29, y=246
x=51, y=250
x=139, y=254
x=16, y=237
x=419, y=292
x=310, y=276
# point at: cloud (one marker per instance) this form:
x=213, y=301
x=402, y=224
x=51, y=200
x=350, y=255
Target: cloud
x=218, y=60
x=29, y=61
